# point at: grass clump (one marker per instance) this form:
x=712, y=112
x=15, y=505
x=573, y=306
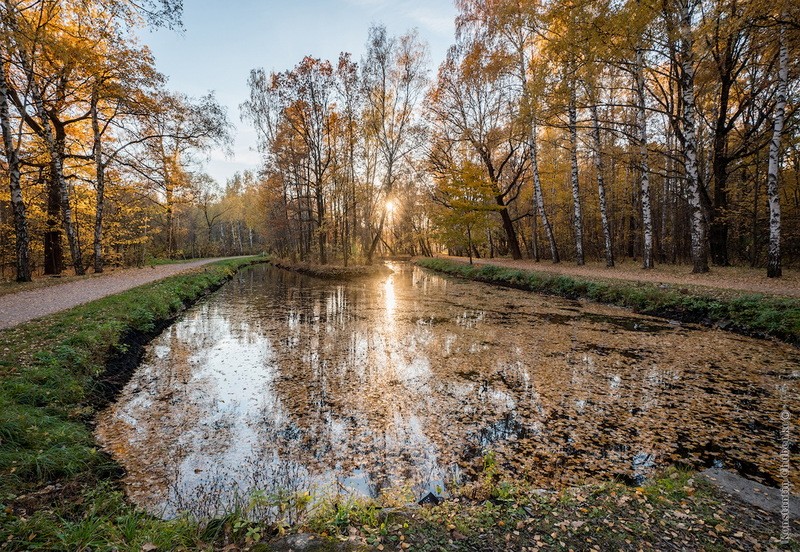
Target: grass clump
x=750, y=314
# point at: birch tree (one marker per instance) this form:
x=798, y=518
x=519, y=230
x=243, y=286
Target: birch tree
x=566, y=49
x=774, y=260
x=601, y=187
x=644, y=165
x=11, y=145
x=683, y=18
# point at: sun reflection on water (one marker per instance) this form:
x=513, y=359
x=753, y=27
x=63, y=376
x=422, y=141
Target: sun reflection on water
x=389, y=298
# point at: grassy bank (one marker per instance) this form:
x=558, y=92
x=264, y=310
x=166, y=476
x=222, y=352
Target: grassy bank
x=750, y=314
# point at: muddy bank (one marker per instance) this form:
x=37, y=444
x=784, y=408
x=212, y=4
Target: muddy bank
x=130, y=350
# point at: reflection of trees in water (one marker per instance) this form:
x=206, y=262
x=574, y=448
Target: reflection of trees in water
x=351, y=397
x=266, y=488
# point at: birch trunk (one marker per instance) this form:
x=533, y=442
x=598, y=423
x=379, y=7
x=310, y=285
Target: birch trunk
x=601, y=188
x=533, y=152
x=22, y=245
x=539, y=198
x=774, y=258
x=573, y=151
x=54, y=140
x=99, y=185
x=644, y=167
x=697, y=220
x=665, y=203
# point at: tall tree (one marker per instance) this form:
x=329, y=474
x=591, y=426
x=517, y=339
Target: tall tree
x=395, y=76
x=516, y=27
x=51, y=45
x=32, y=42
x=680, y=17
x=644, y=165
x=774, y=261
x=11, y=145
x=472, y=104
x=601, y=187
x=306, y=95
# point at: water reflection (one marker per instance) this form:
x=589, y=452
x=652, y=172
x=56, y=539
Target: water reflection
x=281, y=382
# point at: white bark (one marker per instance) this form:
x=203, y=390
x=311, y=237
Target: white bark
x=698, y=222
x=537, y=191
x=23, y=267
x=644, y=167
x=774, y=262
x=54, y=149
x=533, y=152
x=573, y=150
x=601, y=187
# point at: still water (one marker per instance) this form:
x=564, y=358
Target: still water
x=285, y=382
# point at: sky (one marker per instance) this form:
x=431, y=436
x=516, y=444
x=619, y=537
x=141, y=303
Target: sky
x=223, y=40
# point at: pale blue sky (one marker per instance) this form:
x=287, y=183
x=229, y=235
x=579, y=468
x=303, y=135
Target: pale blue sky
x=224, y=39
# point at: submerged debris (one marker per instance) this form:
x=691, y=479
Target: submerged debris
x=430, y=499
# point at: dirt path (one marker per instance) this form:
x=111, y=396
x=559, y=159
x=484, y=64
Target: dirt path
x=16, y=308
x=740, y=279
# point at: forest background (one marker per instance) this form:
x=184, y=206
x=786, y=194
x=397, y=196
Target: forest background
x=664, y=132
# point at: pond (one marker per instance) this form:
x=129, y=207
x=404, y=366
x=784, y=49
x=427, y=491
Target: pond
x=281, y=382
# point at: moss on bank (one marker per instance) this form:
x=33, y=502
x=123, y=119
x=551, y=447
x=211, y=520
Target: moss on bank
x=757, y=315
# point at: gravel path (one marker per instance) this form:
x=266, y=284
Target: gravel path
x=16, y=308
x=739, y=279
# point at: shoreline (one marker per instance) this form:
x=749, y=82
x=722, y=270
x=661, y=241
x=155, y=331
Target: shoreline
x=333, y=272
x=751, y=314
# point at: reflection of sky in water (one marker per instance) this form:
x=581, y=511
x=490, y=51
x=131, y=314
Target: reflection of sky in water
x=281, y=382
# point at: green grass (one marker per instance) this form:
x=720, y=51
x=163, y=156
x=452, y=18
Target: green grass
x=751, y=314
